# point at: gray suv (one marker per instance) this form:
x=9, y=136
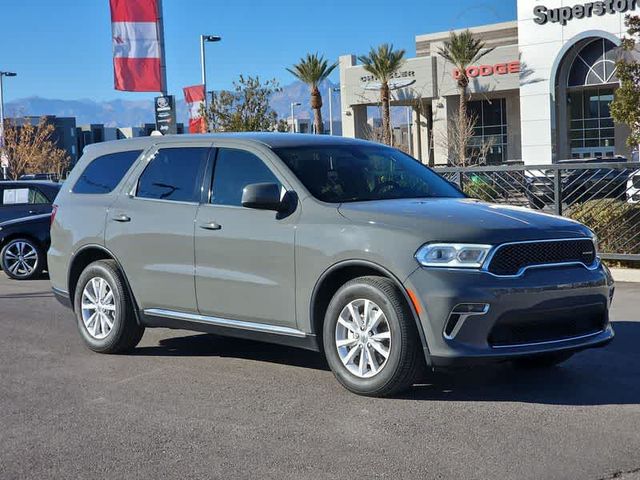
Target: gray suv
x=331, y=244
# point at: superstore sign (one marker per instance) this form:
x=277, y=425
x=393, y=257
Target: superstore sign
x=562, y=15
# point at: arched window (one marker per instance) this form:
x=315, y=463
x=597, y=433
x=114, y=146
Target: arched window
x=594, y=65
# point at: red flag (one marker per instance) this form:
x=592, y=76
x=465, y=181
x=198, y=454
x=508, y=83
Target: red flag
x=137, y=46
x=194, y=96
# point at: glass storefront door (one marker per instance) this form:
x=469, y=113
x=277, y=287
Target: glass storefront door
x=591, y=127
x=489, y=141
x=590, y=85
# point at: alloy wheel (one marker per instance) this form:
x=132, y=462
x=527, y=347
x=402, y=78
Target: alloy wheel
x=363, y=338
x=98, y=308
x=21, y=258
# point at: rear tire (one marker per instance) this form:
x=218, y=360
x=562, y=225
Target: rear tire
x=104, y=310
x=546, y=360
x=390, y=329
x=23, y=259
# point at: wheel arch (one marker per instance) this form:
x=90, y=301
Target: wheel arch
x=14, y=236
x=84, y=257
x=337, y=275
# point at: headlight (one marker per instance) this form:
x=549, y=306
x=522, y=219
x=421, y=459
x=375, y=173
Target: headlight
x=457, y=255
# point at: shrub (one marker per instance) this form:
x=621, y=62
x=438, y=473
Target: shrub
x=479, y=187
x=615, y=222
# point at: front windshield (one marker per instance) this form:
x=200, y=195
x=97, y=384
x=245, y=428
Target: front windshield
x=355, y=173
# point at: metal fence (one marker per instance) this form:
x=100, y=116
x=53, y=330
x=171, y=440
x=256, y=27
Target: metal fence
x=605, y=196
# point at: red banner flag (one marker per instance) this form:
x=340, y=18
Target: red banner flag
x=194, y=96
x=137, y=46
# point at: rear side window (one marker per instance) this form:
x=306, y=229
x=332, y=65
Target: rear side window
x=104, y=173
x=22, y=196
x=174, y=174
x=234, y=170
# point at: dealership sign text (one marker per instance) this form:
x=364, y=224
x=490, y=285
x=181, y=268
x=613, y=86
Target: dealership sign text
x=489, y=70
x=401, y=74
x=562, y=15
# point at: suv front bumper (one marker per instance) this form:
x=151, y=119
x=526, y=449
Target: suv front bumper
x=544, y=310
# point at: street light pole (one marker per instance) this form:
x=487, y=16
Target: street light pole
x=293, y=119
x=330, y=111
x=3, y=158
x=331, y=90
x=202, y=63
x=409, y=141
x=205, y=38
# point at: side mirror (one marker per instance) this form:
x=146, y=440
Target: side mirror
x=262, y=196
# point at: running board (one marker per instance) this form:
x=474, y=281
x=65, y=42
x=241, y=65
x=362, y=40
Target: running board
x=225, y=322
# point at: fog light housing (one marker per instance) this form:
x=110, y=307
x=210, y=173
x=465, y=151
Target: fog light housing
x=459, y=315
x=477, y=308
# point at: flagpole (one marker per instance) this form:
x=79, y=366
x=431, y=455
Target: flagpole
x=163, y=65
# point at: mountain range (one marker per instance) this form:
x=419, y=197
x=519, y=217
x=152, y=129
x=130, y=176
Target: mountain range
x=125, y=113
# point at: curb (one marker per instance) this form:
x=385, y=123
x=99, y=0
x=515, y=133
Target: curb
x=625, y=274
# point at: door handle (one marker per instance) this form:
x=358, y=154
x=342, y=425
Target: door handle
x=211, y=226
x=121, y=218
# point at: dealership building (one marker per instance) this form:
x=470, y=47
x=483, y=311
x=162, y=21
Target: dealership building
x=541, y=95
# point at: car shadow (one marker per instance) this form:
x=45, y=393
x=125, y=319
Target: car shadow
x=43, y=276
x=45, y=294
x=603, y=376
x=209, y=345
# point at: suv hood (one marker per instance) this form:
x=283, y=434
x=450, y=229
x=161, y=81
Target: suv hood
x=463, y=220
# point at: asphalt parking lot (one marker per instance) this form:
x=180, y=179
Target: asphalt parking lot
x=188, y=405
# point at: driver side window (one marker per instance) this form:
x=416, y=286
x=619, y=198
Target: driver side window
x=234, y=170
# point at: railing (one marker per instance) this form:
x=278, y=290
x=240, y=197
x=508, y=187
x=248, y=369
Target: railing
x=604, y=196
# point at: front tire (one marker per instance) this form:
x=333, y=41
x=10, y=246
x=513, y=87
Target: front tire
x=370, y=339
x=104, y=310
x=22, y=259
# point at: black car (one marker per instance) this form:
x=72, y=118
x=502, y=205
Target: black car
x=579, y=184
x=52, y=177
x=23, y=198
x=23, y=246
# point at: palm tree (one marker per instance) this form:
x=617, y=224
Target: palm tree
x=382, y=63
x=463, y=50
x=313, y=70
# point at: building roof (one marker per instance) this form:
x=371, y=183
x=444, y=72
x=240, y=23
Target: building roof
x=494, y=35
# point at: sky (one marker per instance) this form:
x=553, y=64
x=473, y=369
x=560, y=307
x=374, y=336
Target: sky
x=62, y=48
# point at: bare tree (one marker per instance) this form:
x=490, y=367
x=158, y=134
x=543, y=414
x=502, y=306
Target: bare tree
x=374, y=133
x=31, y=149
x=483, y=150
x=458, y=139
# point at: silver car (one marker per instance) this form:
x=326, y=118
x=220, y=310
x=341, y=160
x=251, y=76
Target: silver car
x=633, y=188
x=338, y=245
